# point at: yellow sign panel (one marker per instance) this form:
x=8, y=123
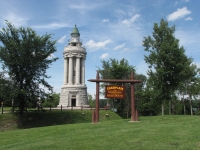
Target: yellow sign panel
x=114, y=91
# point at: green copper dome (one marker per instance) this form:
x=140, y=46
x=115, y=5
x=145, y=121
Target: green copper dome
x=75, y=31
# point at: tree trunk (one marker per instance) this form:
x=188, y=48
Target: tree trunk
x=1, y=107
x=163, y=107
x=127, y=105
x=170, y=107
x=191, y=104
x=184, y=105
x=184, y=109
x=21, y=104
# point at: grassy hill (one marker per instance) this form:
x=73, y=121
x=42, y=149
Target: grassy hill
x=151, y=133
x=47, y=118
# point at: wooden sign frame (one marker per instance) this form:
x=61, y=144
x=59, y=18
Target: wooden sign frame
x=132, y=81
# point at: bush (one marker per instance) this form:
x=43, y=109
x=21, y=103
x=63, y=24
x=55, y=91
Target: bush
x=197, y=112
x=52, y=101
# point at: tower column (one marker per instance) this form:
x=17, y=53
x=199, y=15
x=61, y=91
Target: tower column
x=83, y=71
x=70, y=71
x=77, y=70
x=65, y=70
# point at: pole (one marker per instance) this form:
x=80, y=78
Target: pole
x=97, y=98
x=136, y=115
x=132, y=99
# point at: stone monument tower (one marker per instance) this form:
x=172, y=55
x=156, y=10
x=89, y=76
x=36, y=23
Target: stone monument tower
x=74, y=91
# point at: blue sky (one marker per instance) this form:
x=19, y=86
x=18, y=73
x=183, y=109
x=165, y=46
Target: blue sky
x=108, y=28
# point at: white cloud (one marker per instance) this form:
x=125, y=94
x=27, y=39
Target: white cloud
x=115, y=30
x=128, y=22
x=142, y=68
x=62, y=39
x=126, y=50
x=14, y=13
x=189, y=18
x=180, y=13
x=105, y=20
x=196, y=63
x=190, y=44
x=51, y=56
x=175, y=3
x=96, y=45
x=104, y=56
x=119, y=46
x=53, y=25
x=83, y=6
x=15, y=19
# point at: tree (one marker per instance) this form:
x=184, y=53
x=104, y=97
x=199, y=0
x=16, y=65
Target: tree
x=26, y=56
x=91, y=101
x=7, y=89
x=168, y=64
x=51, y=100
x=191, y=86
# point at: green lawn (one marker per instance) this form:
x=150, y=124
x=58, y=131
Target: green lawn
x=162, y=133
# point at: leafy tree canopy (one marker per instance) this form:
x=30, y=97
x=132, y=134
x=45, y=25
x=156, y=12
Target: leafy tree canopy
x=26, y=56
x=167, y=61
x=168, y=64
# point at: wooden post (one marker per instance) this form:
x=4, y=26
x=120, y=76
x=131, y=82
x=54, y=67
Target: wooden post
x=50, y=108
x=132, y=99
x=136, y=115
x=71, y=108
x=97, y=99
x=61, y=107
x=105, y=107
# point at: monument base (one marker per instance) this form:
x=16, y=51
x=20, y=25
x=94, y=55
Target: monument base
x=73, y=96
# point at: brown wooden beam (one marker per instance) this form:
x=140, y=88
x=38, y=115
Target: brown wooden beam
x=115, y=81
x=132, y=99
x=97, y=98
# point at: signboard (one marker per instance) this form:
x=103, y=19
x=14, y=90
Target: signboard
x=114, y=91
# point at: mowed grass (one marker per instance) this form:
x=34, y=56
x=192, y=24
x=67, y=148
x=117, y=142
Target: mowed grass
x=151, y=133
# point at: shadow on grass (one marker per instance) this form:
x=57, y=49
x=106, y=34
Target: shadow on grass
x=33, y=119
x=44, y=118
